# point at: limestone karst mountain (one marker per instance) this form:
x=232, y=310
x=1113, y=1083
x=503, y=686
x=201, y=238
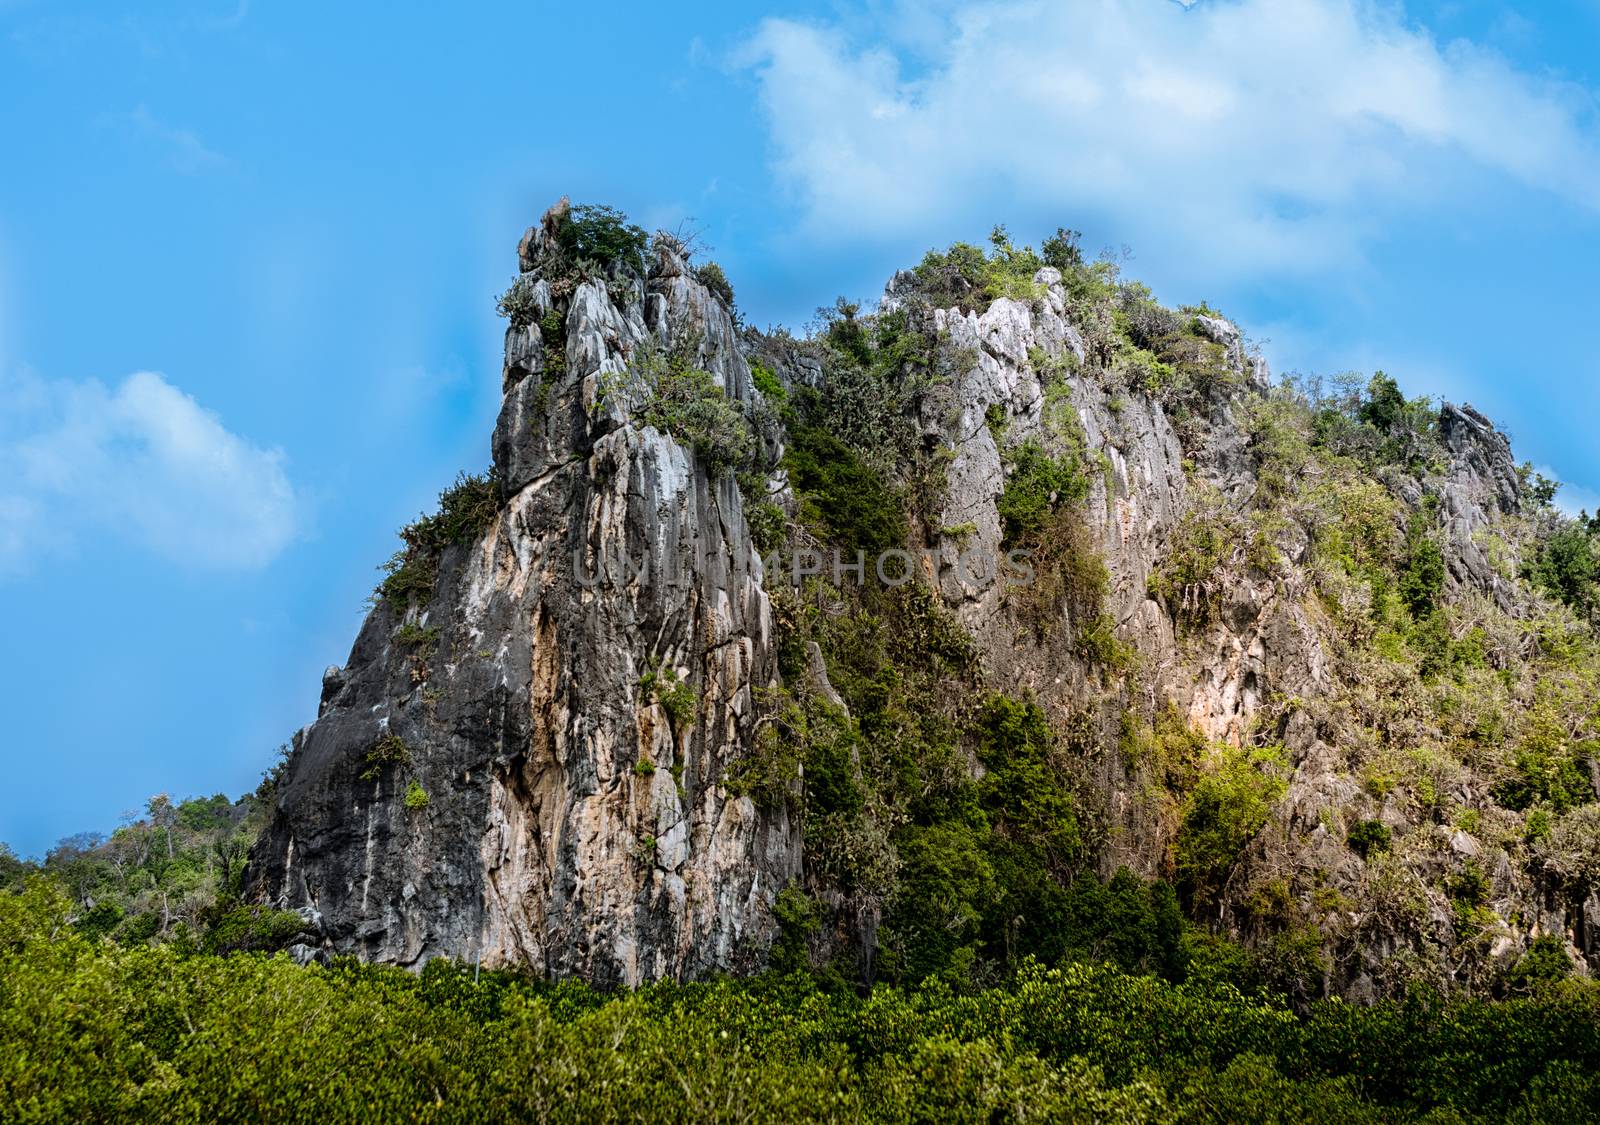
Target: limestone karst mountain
x=1294, y=651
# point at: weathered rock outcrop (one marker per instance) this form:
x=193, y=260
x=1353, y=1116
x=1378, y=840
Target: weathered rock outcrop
x=571, y=821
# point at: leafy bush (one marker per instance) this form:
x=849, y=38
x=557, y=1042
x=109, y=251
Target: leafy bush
x=677, y=697
x=1367, y=837
x=602, y=235
x=517, y=304
x=964, y=277
x=766, y=381
x=466, y=510
x=881, y=371
x=661, y=389
x=1038, y=487
x=843, y=500
x=412, y=635
x=1567, y=568
x=553, y=333
x=416, y=798
x=1544, y=963
x=1376, y=425
x=390, y=750
x=711, y=276
x=1229, y=805
x=1422, y=575
x=234, y=927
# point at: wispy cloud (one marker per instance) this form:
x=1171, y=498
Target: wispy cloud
x=230, y=21
x=1256, y=135
x=142, y=463
x=182, y=148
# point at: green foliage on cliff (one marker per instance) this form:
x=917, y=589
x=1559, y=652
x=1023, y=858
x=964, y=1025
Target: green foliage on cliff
x=602, y=235
x=662, y=388
x=1226, y=808
x=711, y=276
x=845, y=501
x=1567, y=567
x=466, y=510
x=1038, y=487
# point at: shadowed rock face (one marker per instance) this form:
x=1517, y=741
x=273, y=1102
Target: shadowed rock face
x=576, y=824
x=570, y=823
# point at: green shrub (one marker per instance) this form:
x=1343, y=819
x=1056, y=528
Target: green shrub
x=1367, y=837
x=766, y=381
x=389, y=750
x=1038, y=487
x=843, y=500
x=797, y=918
x=677, y=697
x=768, y=524
x=601, y=235
x=1545, y=962
x=1422, y=575
x=466, y=510
x=662, y=390
x=416, y=797
x=711, y=276
x=412, y=635
x=553, y=332
x=1062, y=250
x=1229, y=805
x=1566, y=567
x=998, y=419
x=233, y=927
x=516, y=304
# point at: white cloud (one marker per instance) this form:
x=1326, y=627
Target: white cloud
x=183, y=148
x=1573, y=498
x=1247, y=134
x=143, y=463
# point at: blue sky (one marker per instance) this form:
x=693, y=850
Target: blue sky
x=248, y=254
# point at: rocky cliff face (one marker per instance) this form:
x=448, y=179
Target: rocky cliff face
x=572, y=821
x=567, y=745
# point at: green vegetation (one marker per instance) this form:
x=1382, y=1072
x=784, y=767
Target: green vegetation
x=711, y=276
x=766, y=381
x=517, y=303
x=157, y=876
x=173, y=1034
x=677, y=697
x=466, y=510
x=412, y=635
x=965, y=277
x=662, y=389
x=599, y=236
x=843, y=500
x=553, y=332
x=1038, y=488
x=1227, y=807
x=1368, y=837
x=416, y=798
x=1567, y=567
x=390, y=750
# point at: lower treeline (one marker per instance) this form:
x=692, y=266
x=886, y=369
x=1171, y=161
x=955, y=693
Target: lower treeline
x=98, y=1030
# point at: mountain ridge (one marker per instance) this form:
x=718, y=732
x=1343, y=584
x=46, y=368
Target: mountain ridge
x=1269, y=633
